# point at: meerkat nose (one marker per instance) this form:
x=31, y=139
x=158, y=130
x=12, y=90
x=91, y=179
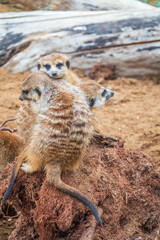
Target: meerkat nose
x=54, y=74
x=20, y=98
x=109, y=94
x=112, y=93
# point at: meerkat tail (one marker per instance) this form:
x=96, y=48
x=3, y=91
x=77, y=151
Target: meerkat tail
x=74, y=193
x=14, y=174
x=54, y=176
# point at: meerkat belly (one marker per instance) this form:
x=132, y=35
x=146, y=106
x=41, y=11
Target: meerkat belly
x=62, y=136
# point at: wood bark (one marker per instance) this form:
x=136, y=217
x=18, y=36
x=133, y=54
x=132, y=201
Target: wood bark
x=129, y=40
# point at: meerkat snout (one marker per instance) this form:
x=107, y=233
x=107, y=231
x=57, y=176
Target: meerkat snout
x=54, y=74
x=112, y=94
x=109, y=94
x=24, y=95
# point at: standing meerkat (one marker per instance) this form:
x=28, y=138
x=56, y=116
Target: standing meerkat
x=60, y=134
x=56, y=65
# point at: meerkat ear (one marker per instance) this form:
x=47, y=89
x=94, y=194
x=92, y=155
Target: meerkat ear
x=37, y=90
x=68, y=63
x=38, y=65
x=91, y=102
x=36, y=94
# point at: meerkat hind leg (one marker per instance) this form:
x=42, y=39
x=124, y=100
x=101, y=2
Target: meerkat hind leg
x=53, y=173
x=31, y=167
x=32, y=164
x=26, y=167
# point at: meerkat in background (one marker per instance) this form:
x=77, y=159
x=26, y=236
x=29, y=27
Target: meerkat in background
x=96, y=94
x=60, y=134
x=57, y=65
x=10, y=144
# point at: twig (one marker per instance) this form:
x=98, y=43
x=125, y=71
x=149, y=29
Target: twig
x=8, y=120
x=98, y=135
x=8, y=129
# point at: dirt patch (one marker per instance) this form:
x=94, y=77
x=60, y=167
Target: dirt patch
x=29, y=5
x=122, y=182
x=102, y=71
x=22, y=5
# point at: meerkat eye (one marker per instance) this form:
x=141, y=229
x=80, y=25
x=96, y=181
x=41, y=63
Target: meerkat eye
x=38, y=66
x=68, y=64
x=104, y=93
x=37, y=91
x=91, y=102
x=25, y=92
x=47, y=66
x=59, y=65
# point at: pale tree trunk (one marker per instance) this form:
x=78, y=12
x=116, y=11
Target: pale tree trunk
x=130, y=40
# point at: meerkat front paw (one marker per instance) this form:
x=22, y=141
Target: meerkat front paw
x=26, y=167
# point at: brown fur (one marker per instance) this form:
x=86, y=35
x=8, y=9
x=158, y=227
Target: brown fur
x=25, y=120
x=10, y=147
x=60, y=132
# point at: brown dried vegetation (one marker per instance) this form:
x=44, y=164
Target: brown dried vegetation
x=122, y=182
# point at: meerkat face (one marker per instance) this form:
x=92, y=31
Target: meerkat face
x=100, y=97
x=33, y=86
x=30, y=94
x=55, y=65
x=95, y=93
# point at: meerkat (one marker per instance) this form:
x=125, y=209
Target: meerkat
x=10, y=145
x=56, y=65
x=96, y=94
x=60, y=134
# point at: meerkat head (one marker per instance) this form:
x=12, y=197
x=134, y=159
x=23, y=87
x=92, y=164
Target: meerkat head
x=95, y=93
x=34, y=86
x=100, y=97
x=32, y=94
x=56, y=65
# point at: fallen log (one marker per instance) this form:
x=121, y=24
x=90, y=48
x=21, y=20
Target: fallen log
x=129, y=40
